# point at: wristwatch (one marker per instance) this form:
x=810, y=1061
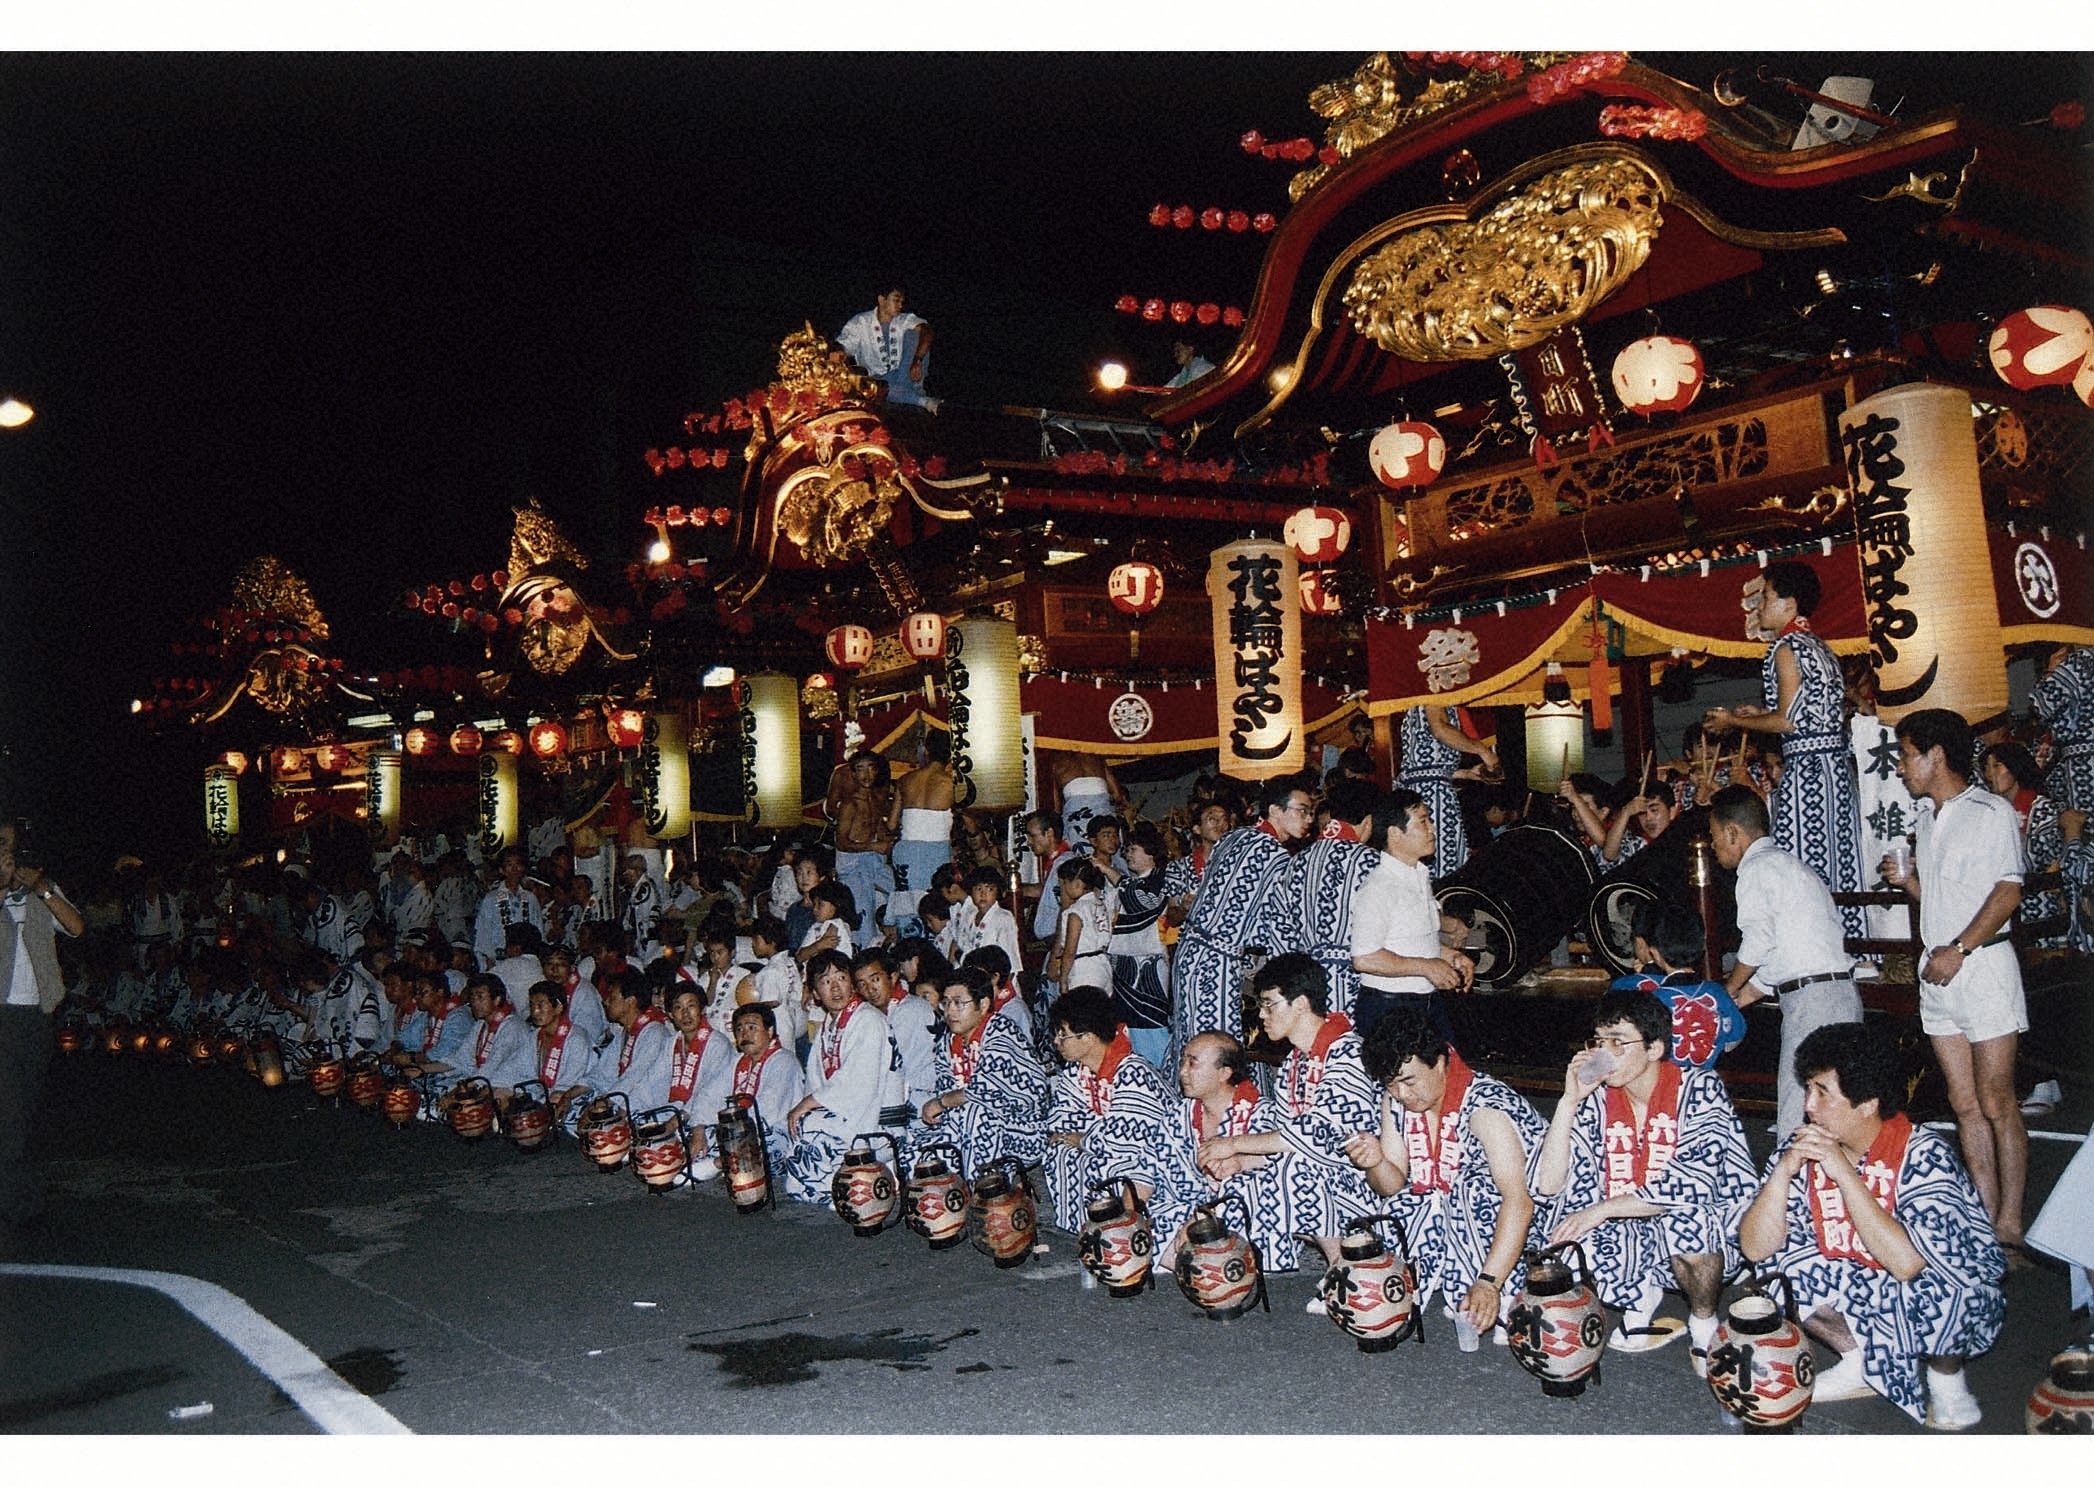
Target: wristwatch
x=1490, y=1280
x=1957, y=945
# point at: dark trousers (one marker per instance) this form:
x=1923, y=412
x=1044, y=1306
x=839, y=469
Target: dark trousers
x=25, y=1052
x=1373, y=1005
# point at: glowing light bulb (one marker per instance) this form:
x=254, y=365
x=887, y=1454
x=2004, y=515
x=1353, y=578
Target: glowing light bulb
x=1112, y=376
x=14, y=412
x=658, y=550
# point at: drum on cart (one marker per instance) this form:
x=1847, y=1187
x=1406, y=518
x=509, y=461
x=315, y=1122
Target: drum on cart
x=1519, y=894
x=1666, y=869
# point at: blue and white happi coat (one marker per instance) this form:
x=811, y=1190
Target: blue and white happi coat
x=1449, y=1231
x=1704, y=1188
x=1248, y=895
x=1952, y=1308
x=1311, y=1187
x=1428, y=768
x=2065, y=700
x=850, y=1070
x=1121, y=1117
x=1332, y=871
x=1182, y=1186
x=1006, y=1107
x=1815, y=810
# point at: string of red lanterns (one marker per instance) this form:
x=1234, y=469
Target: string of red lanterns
x=1298, y=149
x=694, y=458
x=1213, y=219
x=1182, y=311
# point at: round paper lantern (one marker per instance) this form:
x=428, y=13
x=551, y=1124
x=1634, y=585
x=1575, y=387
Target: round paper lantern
x=286, y=761
x=467, y=740
x=1407, y=456
x=548, y=739
x=820, y=681
x=923, y=635
x=1135, y=587
x=1658, y=374
x=233, y=759
x=626, y=726
x=419, y=742
x=849, y=646
x=1318, y=594
x=332, y=758
x=2042, y=346
x=1318, y=533
x=508, y=741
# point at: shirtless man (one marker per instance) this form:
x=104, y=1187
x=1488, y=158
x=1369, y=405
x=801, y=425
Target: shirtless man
x=867, y=813
x=1082, y=786
x=923, y=804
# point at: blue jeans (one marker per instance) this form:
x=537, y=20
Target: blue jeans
x=899, y=387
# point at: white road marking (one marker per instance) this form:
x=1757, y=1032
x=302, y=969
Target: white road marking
x=287, y=1362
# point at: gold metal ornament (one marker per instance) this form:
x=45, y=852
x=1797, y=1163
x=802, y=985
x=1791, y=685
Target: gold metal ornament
x=266, y=586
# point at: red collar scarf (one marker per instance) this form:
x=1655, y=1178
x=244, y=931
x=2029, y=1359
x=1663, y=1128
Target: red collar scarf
x=437, y=1018
x=1435, y=1155
x=1268, y=828
x=748, y=1076
x=832, y=1037
x=552, y=1051
x=967, y=1051
x=1236, y=1119
x=1637, y=1155
x=488, y=1028
x=1097, y=1087
x=1338, y=830
x=1305, y=1069
x=684, y=1076
x=652, y=1016
x=2023, y=800
x=1879, y=1169
x=1797, y=626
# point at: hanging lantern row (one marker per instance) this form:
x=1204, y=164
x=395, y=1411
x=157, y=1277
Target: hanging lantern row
x=1658, y=374
x=255, y=634
x=2046, y=345
x=1299, y=149
x=1213, y=219
x=1507, y=65
x=1180, y=311
x=673, y=458
x=1407, y=456
x=678, y=516
x=1135, y=587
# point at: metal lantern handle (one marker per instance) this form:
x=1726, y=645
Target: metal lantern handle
x=1757, y=1281
x=1403, y=1242
x=901, y=1180
x=1584, y=1269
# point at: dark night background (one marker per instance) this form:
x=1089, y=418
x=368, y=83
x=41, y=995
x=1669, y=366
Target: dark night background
x=349, y=308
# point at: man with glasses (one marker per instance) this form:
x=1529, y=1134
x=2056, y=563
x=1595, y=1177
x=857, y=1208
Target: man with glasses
x=991, y=1091
x=1649, y=1170
x=1249, y=896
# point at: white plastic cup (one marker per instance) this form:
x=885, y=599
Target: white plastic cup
x=1900, y=860
x=1598, y=1064
x=1465, y=1334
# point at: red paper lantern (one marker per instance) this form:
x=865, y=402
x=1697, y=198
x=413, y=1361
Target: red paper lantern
x=1658, y=374
x=1318, y=593
x=2042, y=346
x=821, y=681
x=1318, y=533
x=849, y=646
x=548, y=739
x=1152, y=309
x=235, y=760
x=332, y=758
x=286, y=761
x=1407, y=456
x=467, y=740
x=508, y=740
x=923, y=635
x=419, y=742
x=1135, y=587
x=627, y=727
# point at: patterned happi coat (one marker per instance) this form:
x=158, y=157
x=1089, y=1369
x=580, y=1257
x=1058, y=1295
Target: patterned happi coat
x=1005, y=1112
x=1249, y=894
x=1121, y=1111
x=1704, y=1184
x=1449, y=1225
x=1332, y=871
x=1952, y=1308
x=1428, y=768
x=2065, y=700
x=848, y=1069
x=1320, y=1097
x=1816, y=811
x=1183, y=1186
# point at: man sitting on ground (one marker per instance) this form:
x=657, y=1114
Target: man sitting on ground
x=1106, y=1108
x=990, y=1093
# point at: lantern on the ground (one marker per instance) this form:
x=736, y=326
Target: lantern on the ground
x=2042, y=346
x=1318, y=534
x=507, y=740
x=988, y=748
x=500, y=803
x=420, y=742
x=548, y=739
x=1253, y=588
x=1407, y=456
x=626, y=727
x=771, y=748
x=221, y=806
x=923, y=635
x=383, y=796
x=848, y=646
x=1319, y=595
x=467, y=740
x=1135, y=587
x=1555, y=744
x=1658, y=374
x=665, y=777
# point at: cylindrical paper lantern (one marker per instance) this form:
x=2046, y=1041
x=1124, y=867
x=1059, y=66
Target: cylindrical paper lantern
x=849, y=646
x=501, y=803
x=1555, y=744
x=923, y=635
x=988, y=751
x=384, y=788
x=771, y=748
x=1658, y=374
x=1135, y=587
x=1407, y=456
x=1318, y=534
x=1926, y=574
x=1254, y=590
x=221, y=806
x=665, y=777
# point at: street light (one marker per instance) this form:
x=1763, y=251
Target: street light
x=14, y=412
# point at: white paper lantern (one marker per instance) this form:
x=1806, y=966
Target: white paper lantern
x=849, y=646
x=1407, y=456
x=665, y=777
x=923, y=635
x=771, y=738
x=1658, y=374
x=988, y=755
x=1254, y=590
x=500, y=802
x=2046, y=345
x=1555, y=744
x=1318, y=534
x=1135, y=587
x=221, y=806
x=384, y=796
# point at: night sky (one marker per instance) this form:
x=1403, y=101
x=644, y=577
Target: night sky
x=349, y=308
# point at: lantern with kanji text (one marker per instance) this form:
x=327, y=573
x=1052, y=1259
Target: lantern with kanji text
x=548, y=739
x=1135, y=587
x=1318, y=534
x=508, y=741
x=1658, y=374
x=626, y=727
x=420, y=742
x=467, y=740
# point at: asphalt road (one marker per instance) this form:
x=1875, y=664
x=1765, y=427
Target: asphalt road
x=469, y=1289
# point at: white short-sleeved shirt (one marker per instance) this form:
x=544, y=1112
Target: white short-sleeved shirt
x=1788, y=925
x=23, y=991
x=1395, y=910
x=1966, y=848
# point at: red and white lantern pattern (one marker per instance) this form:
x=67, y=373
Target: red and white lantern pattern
x=849, y=646
x=923, y=635
x=1318, y=534
x=626, y=727
x=1658, y=374
x=508, y=740
x=286, y=761
x=467, y=741
x=420, y=742
x=2046, y=345
x=1407, y=456
x=332, y=758
x=1135, y=587
x=1318, y=594
x=548, y=739
x=820, y=681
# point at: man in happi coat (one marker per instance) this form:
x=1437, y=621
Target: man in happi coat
x=565, y=1052
x=2064, y=698
x=701, y=1071
x=1106, y=1108
x=1301, y=1182
x=855, y=1082
x=767, y=1079
x=501, y=1049
x=1434, y=746
x=438, y=1051
x=1220, y=1102
x=1248, y=895
x=1453, y=1150
x=1881, y=1234
x=1649, y=1171
x=1333, y=869
x=637, y=1062
x=507, y=902
x=990, y=1094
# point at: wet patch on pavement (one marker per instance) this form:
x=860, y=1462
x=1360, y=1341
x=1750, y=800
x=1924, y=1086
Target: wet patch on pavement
x=770, y=1361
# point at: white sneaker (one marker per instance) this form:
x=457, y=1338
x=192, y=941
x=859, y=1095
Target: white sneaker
x=1316, y=1307
x=1951, y=1409
x=704, y=1169
x=1842, y=1381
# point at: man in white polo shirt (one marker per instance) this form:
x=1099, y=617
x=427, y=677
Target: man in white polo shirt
x=1967, y=877
x=1396, y=920
x=1792, y=944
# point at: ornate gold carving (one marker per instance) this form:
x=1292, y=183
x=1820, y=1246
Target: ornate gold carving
x=808, y=363
x=557, y=626
x=1821, y=504
x=535, y=541
x=266, y=586
x=1407, y=584
x=282, y=673
x=1032, y=654
x=819, y=703
x=842, y=499
x=1532, y=264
